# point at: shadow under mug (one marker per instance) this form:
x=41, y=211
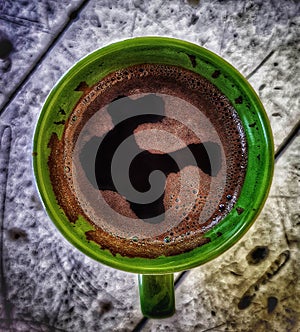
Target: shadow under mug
x=156, y=279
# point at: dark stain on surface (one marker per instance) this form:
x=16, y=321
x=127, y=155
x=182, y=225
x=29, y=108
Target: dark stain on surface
x=239, y=100
x=261, y=87
x=62, y=111
x=62, y=122
x=271, y=271
x=16, y=234
x=276, y=114
x=240, y=210
x=272, y=304
x=194, y=19
x=192, y=59
x=6, y=47
x=82, y=86
x=245, y=301
x=216, y=74
x=257, y=255
x=278, y=264
x=105, y=307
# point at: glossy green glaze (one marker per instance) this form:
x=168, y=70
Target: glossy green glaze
x=97, y=65
x=157, y=295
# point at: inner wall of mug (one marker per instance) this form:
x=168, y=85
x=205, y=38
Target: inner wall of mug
x=158, y=50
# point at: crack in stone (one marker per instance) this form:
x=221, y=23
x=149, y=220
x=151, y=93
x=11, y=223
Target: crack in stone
x=133, y=23
x=214, y=327
x=41, y=58
x=25, y=22
x=260, y=65
x=5, y=148
x=287, y=141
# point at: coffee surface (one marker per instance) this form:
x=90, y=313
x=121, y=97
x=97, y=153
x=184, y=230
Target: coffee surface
x=153, y=156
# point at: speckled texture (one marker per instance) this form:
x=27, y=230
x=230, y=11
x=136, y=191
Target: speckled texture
x=30, y=27
x=46, y=284
x=277, y=83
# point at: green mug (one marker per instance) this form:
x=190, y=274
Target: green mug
x=156, y=275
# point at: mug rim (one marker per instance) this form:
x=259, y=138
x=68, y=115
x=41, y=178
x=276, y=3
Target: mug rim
x=242, y=222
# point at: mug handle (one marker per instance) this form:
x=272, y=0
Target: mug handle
x=157, y=295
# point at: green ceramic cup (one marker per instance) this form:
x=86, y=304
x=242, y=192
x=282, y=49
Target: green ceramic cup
x=156, y=281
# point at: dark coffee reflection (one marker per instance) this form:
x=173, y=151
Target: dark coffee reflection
x=127, y=114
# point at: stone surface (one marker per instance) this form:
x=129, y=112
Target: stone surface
x=30, y=27
x=277, y=83
x=46, y=284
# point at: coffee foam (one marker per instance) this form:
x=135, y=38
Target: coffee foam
x=195, y=112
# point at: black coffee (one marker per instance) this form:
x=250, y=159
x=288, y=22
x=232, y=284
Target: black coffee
x=153, y=156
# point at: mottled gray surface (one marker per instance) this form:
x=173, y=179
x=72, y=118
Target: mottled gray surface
x=31, y=27
x=46, y=285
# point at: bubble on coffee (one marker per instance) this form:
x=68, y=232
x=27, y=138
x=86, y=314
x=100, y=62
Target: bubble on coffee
x=150, y=160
